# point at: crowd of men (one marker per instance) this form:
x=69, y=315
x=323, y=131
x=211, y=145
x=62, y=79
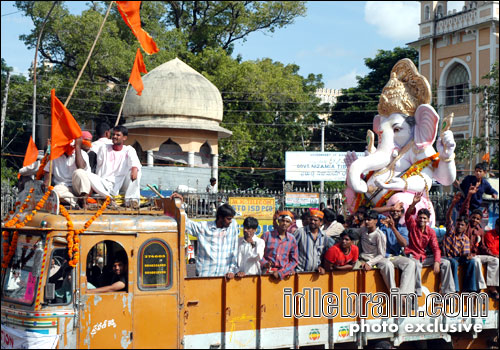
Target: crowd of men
x=105, y=167
x=365, y=240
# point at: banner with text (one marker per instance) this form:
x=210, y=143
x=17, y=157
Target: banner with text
x=316, y=166
x=301, y=200
x=258, y=207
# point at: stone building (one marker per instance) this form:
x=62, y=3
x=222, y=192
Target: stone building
x=456, y=49
x=176, y=121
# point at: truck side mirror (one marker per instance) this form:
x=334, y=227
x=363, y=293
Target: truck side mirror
x=50, y=291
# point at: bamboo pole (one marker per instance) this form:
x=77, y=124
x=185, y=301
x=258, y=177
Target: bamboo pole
x=33, y=128
x=90, y=54
x=121, y=107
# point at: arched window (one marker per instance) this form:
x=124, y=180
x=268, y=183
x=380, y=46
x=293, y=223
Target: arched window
x=427, y=12
x=457, y=84
x=100, y=260
x=170, y=152
x=439, y=11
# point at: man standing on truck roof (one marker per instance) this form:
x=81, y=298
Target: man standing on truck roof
x=312, y=243
x=281, y=253
x=217, y=251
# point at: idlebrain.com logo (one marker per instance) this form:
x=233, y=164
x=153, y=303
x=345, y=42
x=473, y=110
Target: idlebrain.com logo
x=343, y=331
x=314, y=334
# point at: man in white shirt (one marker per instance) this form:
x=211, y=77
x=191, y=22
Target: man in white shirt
x=28, y=173
x=118, y=169
x=103, y=134
x=70, y=175
x=250, y=249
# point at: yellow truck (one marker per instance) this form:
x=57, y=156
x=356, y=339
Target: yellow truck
x=46, y=301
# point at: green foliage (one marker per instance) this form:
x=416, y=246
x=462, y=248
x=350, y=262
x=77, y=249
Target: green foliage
x=353, y=113
x=489, y=105
x=202, y=34
x=9, y=174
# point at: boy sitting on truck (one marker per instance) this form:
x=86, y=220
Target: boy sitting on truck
x=343, y=255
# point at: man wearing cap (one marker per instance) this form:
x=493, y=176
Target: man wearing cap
x=280, y=255
x=373, y=249
x=312, y=243
x=71, y=175
x=343, y=255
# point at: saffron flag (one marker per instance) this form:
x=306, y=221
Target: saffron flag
x=64, y=128
x=138, y=68
x=130, y=14
x=31, y=154
x=486, y=157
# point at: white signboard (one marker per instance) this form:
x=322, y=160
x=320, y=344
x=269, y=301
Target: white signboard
x=316, y=166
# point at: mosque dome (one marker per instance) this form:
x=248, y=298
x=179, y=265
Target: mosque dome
x=175, y=96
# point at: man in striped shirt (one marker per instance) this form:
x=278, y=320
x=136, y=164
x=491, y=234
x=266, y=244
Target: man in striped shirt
x=312, y=243
x=217, y=252
x=456, y=248
x=280, y=255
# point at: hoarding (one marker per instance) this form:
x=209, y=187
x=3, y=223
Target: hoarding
x=301, y=200
x=258, y=207
x=316, y=166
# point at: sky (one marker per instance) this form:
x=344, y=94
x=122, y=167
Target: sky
x=332, y=39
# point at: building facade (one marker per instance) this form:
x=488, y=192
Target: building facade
x=456, y=49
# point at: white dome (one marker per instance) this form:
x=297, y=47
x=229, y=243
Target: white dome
x=173, y=90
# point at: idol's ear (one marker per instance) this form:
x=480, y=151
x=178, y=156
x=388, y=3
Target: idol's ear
x=426, y=124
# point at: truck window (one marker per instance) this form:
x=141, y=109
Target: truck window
x=23, y=273
x=100, y=270
x=62, y=276
x=155, y=265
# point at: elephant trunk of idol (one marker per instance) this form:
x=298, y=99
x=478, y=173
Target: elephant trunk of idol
x=374, y=161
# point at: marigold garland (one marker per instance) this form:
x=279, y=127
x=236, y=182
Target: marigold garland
x=72, y=235
x=9, y=251
x=43, y=163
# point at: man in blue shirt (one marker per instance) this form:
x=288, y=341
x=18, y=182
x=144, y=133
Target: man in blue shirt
x=484, y=187
x=217, y=251
x=397, y=239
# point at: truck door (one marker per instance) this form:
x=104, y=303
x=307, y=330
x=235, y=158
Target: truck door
x=105, y=319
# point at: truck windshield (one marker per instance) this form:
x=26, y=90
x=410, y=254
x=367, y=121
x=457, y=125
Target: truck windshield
x=23, y=273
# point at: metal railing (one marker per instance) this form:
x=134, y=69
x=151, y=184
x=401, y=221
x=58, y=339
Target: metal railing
x=200, y=205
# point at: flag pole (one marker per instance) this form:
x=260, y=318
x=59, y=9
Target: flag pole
x=121, y=107
x=90, y=54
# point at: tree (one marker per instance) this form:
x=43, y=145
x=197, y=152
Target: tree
x=489, y=105
x=267, y=104
x=353, y=113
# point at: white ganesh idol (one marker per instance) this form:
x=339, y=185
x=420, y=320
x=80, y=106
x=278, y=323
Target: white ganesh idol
x=404, y=161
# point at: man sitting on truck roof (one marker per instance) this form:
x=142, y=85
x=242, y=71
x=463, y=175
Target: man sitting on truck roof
x=281, y=253
x=71, y=174
x=422, y=236
x=397, y=239
x=118, y=282
x=343, y=255
x=217, y=250
x=118, y=169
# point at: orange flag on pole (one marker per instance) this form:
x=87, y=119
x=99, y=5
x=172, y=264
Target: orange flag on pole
x=31, y=154
x=64, y=128
x=486, y=157
x=130, y=14
x=138, y=68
